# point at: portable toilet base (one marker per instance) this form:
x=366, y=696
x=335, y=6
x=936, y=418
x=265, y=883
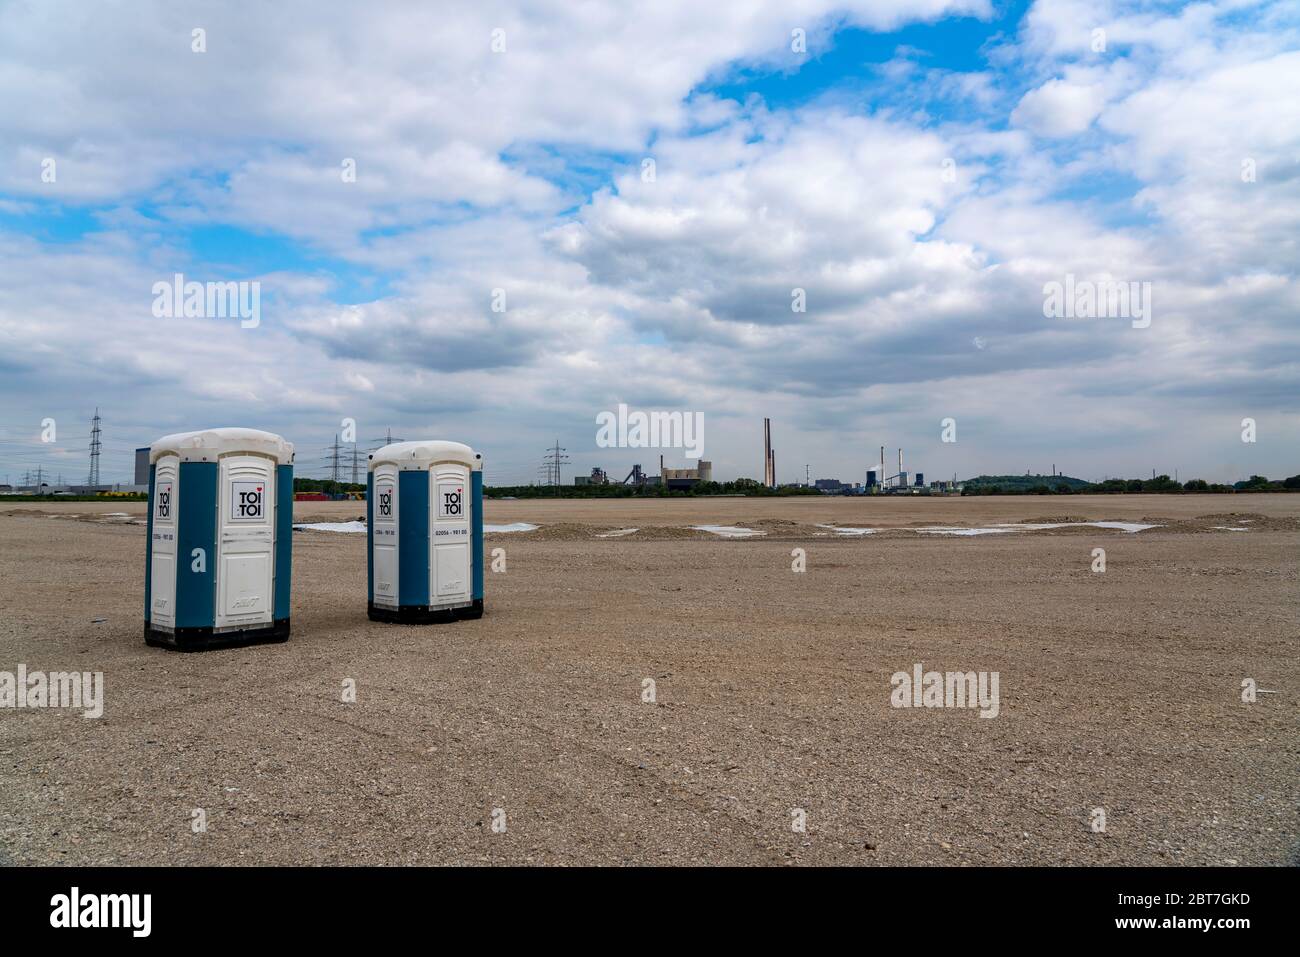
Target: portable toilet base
x=424, y=533
x=424, y=615
x=220, y=528
x=201, y=638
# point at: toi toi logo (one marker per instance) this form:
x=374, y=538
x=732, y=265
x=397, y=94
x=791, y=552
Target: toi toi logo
x=246, y=501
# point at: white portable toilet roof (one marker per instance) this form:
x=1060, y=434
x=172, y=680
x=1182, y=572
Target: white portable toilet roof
x=207, y=445
x=425, y=453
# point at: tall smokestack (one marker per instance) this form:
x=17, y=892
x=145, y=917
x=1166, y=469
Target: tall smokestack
x=901, y=480
x=767, y=452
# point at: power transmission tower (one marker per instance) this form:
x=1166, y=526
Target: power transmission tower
x=552, y=461
x=95, y=444
x=807, y=475
x=386, y=440
x=354, y=463
x=334, y=459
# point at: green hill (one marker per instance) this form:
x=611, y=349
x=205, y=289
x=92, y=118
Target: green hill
x=1023, y=483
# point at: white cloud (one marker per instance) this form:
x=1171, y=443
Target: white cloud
x=1060, y=108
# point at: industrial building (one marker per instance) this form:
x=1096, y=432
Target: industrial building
x=598, y=476
x=881, y=483
x=685, y=478
x=832, y=486
x=142, y=466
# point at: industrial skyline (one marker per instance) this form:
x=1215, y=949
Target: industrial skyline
x=857, y=240
x=340, y=461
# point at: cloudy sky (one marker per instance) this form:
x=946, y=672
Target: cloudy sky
x=558, y=207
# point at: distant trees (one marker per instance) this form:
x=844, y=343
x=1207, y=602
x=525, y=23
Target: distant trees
x=1160, y=484
x=982, y=485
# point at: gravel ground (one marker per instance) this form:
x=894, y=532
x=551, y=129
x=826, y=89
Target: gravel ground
x=1119, y=691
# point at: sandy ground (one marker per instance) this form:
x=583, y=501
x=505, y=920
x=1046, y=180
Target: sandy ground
x=1119, y=691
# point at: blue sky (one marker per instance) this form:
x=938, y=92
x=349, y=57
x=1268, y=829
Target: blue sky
x=500, y=269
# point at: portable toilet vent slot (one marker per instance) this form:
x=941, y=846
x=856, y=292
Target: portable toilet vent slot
x=424, y=532
x=219, y=539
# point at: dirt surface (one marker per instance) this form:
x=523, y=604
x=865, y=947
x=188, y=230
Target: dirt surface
x=1119, y=691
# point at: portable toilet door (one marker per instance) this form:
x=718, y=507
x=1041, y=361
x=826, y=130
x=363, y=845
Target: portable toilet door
x=220, y=538
x=424, y=524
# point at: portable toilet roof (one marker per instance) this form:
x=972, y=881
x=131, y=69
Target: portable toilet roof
x=422, y=454
x=207, y=445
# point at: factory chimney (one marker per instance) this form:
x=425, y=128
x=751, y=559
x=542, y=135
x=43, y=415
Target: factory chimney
x=767, y=448
x=769, y=460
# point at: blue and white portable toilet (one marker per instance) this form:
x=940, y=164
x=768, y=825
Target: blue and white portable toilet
x=424, y=531
x=220, y=538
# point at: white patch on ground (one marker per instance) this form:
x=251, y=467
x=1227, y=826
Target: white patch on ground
x=1003, y=527
x=948, y=530
x=355, y=527
x=845, y=530
x=728, y=531
x=1129, y=527
x=618, y=533
x=352, y=527
x=1229, y=528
